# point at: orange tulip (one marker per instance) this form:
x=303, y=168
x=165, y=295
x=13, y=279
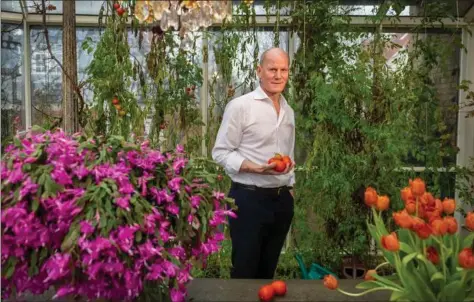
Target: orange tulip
x=438, y=205
x=423, y=230
x=370, y=196
x=449, y=206
x=403, y=219
x=432, y=255
x=390, y=242
x=406, y=194
x=427, y=198
x=452, y=224
x=369, y=275
x=466, y=258
x=439, y=227
x=432, y=215
x=382, y=203
x=470, y=221
x=330, y=282
x=417, y=187
x=410, y=206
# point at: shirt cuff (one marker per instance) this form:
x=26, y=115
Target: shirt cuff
x=292, y=180
x=234, y=162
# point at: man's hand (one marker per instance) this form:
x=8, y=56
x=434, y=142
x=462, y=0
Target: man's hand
x=268, y=169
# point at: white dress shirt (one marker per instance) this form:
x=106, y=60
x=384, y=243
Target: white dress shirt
x=251, y=129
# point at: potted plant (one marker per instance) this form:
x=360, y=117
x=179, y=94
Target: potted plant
x=431, y=261
x=104, y=218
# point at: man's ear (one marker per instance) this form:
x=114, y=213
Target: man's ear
x=259, y=70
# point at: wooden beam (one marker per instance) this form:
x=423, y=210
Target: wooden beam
x=469, y=16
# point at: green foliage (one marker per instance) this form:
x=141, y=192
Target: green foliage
x=111, y=74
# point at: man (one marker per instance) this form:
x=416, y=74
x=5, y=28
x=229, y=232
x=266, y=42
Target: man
x=255, y=126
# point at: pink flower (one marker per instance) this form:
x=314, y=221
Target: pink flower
x=28, y=188
x=178, y=164
x=218, y=195
x=195, y=201
x=86, y=227
x=175, y=183
x=177, y=295
x=123, y=202
x=179, y=149
x=57, y=266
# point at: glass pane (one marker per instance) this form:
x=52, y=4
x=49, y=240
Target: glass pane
x=52, y=6
x=260, y=7
x=244, y=78
x=11, y=6
x=89, y=7
x=91, y=36
x=12, y=95
x=46, y=77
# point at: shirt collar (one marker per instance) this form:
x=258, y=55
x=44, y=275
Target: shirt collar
x=259, y=94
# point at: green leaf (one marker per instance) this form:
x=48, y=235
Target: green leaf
x=429, y=265
x=467, y=242
x=138, y=236
x=437, y=276
x=33, y=269
x=409, y=258
x=35, y=204
x=406, y=248
x=454, y=291
x=43, y=255
x=71, y=239
x=397, y=295
x=9, y=267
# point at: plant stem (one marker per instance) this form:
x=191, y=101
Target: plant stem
x=443, y=260
x=367, y=291
x=380, y=265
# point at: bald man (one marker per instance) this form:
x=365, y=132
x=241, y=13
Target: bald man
x=255, y=126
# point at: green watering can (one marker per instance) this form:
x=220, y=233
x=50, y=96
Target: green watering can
x=316, y=271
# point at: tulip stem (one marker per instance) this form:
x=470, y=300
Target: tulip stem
x=381, y=264
x=463, y=278
x=367, y=291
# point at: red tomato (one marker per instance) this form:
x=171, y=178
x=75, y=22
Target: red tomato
x=116, y=5
x=120, y=11
x=280, y=166
x=266, y=293
x=287, y=160
x=279, y=287
x=115, y=101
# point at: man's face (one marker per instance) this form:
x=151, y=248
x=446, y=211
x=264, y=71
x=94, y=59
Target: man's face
x=273, y=73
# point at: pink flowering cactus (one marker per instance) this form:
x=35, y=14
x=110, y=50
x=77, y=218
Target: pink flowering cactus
x=104, y=218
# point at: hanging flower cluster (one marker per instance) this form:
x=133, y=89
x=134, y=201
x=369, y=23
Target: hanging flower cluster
x=99, y=218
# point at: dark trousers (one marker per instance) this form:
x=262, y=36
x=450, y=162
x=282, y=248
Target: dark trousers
x=258, y=233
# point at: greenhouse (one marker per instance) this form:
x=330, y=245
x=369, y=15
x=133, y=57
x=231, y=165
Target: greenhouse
x=272, y=150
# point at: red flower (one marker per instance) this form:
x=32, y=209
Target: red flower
x=417, y=186
x=432, y=254
x=369, y=275
x=439, y=227
x=403, y=219
x=390, y=242
x=382, y=203
x=466, y=258
x=452, y=224
x=423, y=230
x=330, y=282
x=470, y=221
x=370, y=196
x=406, y=194
x=449, y=206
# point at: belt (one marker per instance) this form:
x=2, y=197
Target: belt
x=277, y=190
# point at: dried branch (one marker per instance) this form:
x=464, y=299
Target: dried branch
x=75, y=87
